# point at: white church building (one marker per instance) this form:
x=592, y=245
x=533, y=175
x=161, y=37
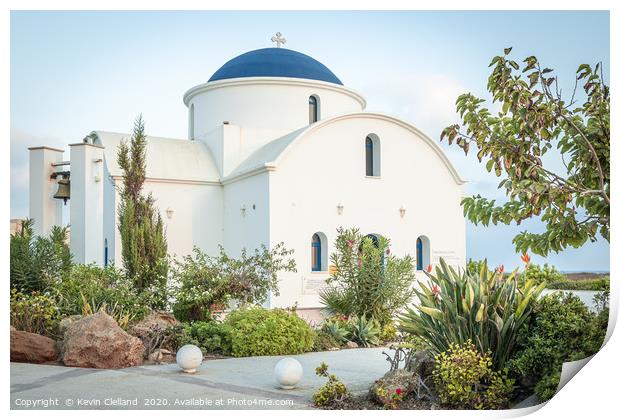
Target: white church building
x=277, y=150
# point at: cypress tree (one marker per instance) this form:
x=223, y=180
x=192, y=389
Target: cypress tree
x=143, y=240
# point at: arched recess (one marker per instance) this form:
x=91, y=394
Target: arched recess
x=422, y=252
x=372, y=146
x=314, y=109
x=191, y=122
x=319, y=256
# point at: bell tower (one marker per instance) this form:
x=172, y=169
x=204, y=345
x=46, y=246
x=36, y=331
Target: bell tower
x=44, y=209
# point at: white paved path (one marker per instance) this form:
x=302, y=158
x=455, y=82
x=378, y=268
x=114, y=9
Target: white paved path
x=235, y=383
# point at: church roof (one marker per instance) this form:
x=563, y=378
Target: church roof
x=275, y=62
x=271, y=153
x=166, y=158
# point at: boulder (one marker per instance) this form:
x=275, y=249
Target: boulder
x=32, y=348
x=351, y=345
x=96, y=341
x=422, y=363
x=155, y=321
x=65, y=322
x=161, y=356
x=399, y=382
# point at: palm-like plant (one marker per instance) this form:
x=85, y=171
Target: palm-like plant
x=483, y=307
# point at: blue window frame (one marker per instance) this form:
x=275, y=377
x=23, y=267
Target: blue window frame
x=419, y=254
x=369, y=157
x=316, y=252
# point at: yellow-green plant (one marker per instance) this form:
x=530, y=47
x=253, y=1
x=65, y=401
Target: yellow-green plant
x=120, y=315
x=34, y=312
x=332, y=391
x=483, y=307
x=464, y=378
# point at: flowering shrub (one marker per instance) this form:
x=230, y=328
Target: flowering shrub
x=464, y=379
x=483, y=307
x=208, y=283
x=35, y=312
x=391, y=400
x=368, y=280
x=332, y=391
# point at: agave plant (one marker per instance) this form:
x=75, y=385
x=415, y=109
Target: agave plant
x=364, y=331
x=337, y=331
x=483, y=307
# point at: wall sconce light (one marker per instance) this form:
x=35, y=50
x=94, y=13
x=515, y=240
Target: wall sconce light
x=402, y=211
x=169, y=213
x=339, y=208
x=243, y=211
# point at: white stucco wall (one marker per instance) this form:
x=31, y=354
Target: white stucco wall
x=327, y=167
x=197, y=216
x=250, y=228
x=279, y=105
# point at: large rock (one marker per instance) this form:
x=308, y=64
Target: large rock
x=32, y=348
x=96, y=341
x=155, y=321
x=66, y=322
x=399, y=381
x=422, y=363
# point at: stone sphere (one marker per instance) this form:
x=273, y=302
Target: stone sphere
x=288, y=373
x=189, y=357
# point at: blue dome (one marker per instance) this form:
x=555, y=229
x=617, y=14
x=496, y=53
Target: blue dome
x=275, y=62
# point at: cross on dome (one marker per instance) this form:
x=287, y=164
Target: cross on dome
x=278, y=39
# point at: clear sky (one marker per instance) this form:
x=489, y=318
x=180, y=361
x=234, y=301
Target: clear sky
x=74, y=72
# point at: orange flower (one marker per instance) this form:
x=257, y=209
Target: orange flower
x=435, y=290
x=429, y=268
x=500, y=269
x=525, y=258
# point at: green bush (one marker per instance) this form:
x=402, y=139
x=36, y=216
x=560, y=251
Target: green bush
x=482, y=307
x=547, y=386
x=368, y=281
x=36, y=261
x=464, y=379
x=208, y=283
x=88, y=288
x=546, y=274
x=256, y=331
x=562, y=329
x=35, y=312
x=332, y=391
x=324, y=341
x=210, y=336
x=388, y=332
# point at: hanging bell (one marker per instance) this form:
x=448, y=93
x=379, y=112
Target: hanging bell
x=64, y=189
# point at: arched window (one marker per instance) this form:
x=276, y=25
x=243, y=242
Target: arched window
x=191, y=122
x=319, y=252
x=313, y=109
x=422, y=253
x=105, y=252
x=373, y=155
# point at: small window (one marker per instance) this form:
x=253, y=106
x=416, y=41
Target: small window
x=105, y=252
x=316, y=252
x=373, y=155
x=313, y=109
x=422, y=254
x=319, y=252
